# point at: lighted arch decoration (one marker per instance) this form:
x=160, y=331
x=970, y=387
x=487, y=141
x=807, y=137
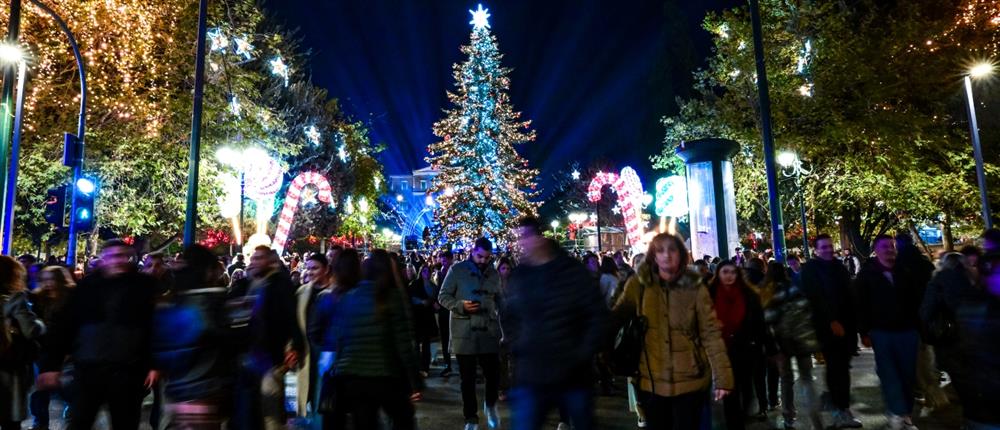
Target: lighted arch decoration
x=628, y=187
x=323, y=194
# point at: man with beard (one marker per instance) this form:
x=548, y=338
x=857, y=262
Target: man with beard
x=471, y=291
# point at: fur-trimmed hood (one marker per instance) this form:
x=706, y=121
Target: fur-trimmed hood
x=648, y=277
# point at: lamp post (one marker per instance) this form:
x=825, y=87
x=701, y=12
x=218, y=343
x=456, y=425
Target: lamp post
x=793, y=169
x=11, y=54
x=194, y=155
x=978, y=71
x=6, y=93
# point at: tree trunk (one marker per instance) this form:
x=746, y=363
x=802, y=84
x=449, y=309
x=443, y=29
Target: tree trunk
x=946, y=235
x=920, y=240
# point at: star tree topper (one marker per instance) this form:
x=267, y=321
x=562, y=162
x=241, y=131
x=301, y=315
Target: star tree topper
x=480, y=18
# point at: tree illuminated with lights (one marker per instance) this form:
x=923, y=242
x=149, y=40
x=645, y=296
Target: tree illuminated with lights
x=484, y=185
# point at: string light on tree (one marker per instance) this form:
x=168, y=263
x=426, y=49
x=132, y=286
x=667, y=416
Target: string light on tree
x=342, y=152
x=217, y=40
x=280, y=69
x=312, y=135
x=576, y=175
x=243, y=48
x=234, y=105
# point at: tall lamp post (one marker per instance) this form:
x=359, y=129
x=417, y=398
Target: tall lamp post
x=792, y=168
x=12, y=54
x=978, y=71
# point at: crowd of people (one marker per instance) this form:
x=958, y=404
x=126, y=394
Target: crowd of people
x=212, y=339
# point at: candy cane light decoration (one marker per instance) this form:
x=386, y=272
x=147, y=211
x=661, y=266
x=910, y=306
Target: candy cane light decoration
x=628, y=187
x=323, y=194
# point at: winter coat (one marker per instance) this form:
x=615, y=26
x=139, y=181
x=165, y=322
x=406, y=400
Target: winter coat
x=609, y=283
x=555, y=320
x=883, y=304
x=107, y=321
x=827, y=285
x=368, y=343
x=789, y=317
x=20, y=328
x=305, y=306
x=193, y=345
x=752, y=339
x=422, y=305
x=272, y=324
x=477, y=333
x=684, y=351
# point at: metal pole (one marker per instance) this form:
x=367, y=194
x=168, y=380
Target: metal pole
x=598, y=226
x=777, y=229
x=191, y=215
x=6, y=95
x=977, y=151
x=81, y=125
x=243, y=185
x=15, y=158
x=802, y=204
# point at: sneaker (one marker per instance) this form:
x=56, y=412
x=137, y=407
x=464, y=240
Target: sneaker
x=845, y=420
x=471, y=426
x=492, y=416
x=789, y=424
x=446, y=372
x=563, y=426
x=642, y=423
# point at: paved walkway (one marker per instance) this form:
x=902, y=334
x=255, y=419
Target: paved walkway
x=441, y=408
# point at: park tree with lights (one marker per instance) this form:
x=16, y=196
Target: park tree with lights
x=868, y=93
x=140, y=69
x=484, y=185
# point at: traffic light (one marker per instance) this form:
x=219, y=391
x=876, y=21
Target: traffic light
x=55, y=206
x=86, y=193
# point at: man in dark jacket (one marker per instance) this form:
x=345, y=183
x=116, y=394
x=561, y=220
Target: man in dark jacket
x=273, y=342
x=555, y=320
x=827, y=284
x=888, y=319
x=105, y=328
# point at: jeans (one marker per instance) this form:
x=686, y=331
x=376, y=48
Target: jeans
x=530, y=405
x=807, y=389
x=765, y=382
x=119, y=387
x=896, y=365
x=838, y=354
x=682, y=412
x=467, y=370
x=444, y=318
x=363, y=397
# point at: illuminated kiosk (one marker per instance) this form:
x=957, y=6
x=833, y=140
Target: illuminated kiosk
x=711, y=196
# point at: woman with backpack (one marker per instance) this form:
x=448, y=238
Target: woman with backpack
x=20, y=328
x=683, y=354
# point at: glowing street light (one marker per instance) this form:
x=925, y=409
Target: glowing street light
x=792, y=168
x=554, y=224
x=787, y=159
x=978, y=71
x=10, y=53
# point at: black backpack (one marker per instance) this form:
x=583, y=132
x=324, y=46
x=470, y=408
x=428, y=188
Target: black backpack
x=630, y=342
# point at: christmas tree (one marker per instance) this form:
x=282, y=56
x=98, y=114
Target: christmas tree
x=484, y=185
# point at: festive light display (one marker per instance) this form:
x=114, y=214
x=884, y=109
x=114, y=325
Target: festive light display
x=280, y=69
x=292, y=203
x=671, y=197
x=217, y=40
x=312, y=134
x=628, y=187
x=485, y=184
x=243, y=48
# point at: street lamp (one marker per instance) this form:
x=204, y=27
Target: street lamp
x=792, y=168
x=239, y=161
x=978, y=71
x=12, y=54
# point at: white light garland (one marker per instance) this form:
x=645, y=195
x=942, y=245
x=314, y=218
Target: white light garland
x=312, y=135
x=279, y=68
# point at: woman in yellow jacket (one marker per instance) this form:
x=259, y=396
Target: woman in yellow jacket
x=684, y=355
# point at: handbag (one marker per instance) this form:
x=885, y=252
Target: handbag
x=630, y=342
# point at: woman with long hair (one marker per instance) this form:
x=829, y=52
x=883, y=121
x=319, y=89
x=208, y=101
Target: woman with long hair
x=742, y=324
x=54, y=284
x=368, y=329
x=19, y=327
x=683, y=354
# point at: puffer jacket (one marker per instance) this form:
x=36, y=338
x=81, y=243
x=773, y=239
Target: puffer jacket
x=684, y=351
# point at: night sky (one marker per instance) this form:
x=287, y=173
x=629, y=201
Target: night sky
x=595, y=77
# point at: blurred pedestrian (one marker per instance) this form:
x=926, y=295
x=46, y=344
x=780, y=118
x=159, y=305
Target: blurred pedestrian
x=827, y=284
x=445, y=259
x=193, y=345
x=317, y=269
x=105, y=328
x=505, y=267
x=18, y=348
x=471, y=291
x=420, y=291
x=609, y=279
x=684, y=354
x=556, y=319
x=54, y=284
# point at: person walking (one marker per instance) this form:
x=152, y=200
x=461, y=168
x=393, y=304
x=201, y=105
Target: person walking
x=741, y=321
x=445, y=260
x=272, y=343
x=317, y=269
x=684, y=354
x=420, y=290
x=789, y=317
x=105, y=328
x=54, y=285
x=505, y=267
x=888, y=322
x=471, y=291
x=556, y=319
x=609, y=279
x=367, y=327
x=20, y=330
x=827, y=285
x=193, y=345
